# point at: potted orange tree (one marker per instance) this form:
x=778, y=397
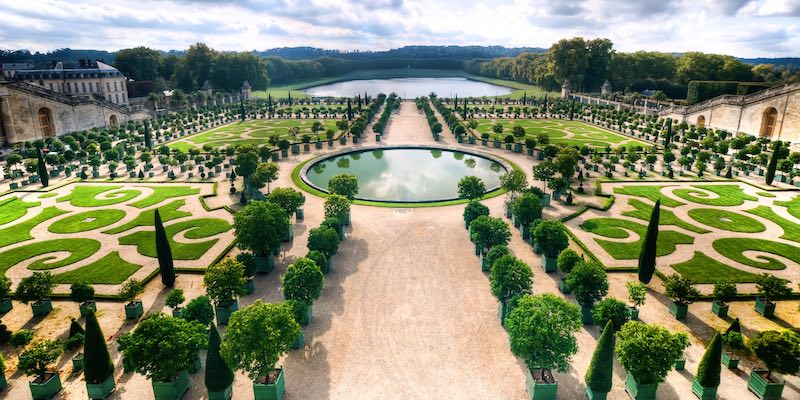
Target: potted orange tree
x=637, y=293
x=510, y=277
x=723, y=293
x=36, y=289
x=680, y=289
x=302, y=283
x=551, y=240
x=648, y=353
x=780, y=352
x=260, y=227
x=224, y=284
x=589, y=283
x=770, y=288
x=133, y=306
x=34, y=361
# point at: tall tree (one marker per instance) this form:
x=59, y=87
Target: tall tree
x=464, y=111
x=164, y=253
x=568, y=59
x=709, y=369
x=269, y=105
x=42, y=168
x=601, y=369
x=349, y=110
x=230, y=70
x=647, y=257
x=219, y=375
x=97, y=361
x=773, y=163
x=148, y=140
x=194, y=68
x=599, y=59
x=139, y=63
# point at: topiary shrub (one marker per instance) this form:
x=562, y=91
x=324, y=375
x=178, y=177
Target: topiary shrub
x=200, y=310
x=474, y=209
x=97, y=361
x=708, y=372
x=601, y=369
x=648, y=352
x=509, y=277
x=567, y=260
x=610, y=310
x=80, y=292
x=218, y=374
x=588, y=282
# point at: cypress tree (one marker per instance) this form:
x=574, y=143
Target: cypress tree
x=148, y=141
x=735, y=326
x=359, y=102
x=773, y=163
x=349, y=110
x=668, y=138
x=601, y=369
x=42, y=168
x=647, y=257
x=241, y=110
x=571, y=109
x=218, y=374
x=524, y=97
x=545, y=106
x=269, y=106
x=164, y=254
x=455, y=102
x=290, y=98
x=97, y=362
x=464, y=111
x=709, y=369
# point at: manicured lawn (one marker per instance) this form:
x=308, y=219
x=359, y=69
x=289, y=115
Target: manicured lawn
x=161, y=193
x=765, y=194
x=618, y=229
x=109, y=270
x=86, y=221
x=652, y=193
x=77, y=248
x=793, y=206
x=791, y=230
x=13, y=208
x=194, y=229
x=734, y=248
x=22, y=231
x=168, y=212
x=48, y=195
x=642, y=211
x=729, y=195
x=254, y=132
x=571, y=133
x=704, y=269
x=86, y=195
x=726, y=220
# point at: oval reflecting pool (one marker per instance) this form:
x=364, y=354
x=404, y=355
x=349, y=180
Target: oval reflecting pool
x=402, y=174
x=409, y=88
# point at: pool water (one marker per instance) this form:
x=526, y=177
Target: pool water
x=409, y=88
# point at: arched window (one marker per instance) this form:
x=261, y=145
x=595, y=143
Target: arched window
x=113, y=121
x=701, y=121
x=46, y=122
x=768, y=122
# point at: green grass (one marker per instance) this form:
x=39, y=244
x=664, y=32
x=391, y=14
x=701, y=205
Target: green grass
x=793, y=206
x=791, y=230
x=704, y=269
x=161, y=193
x=618, y=229
x=86, y=195
x=253, y=132
x=13, y=208
x=642, y=211
x=77, y=248
x=168, y=212
x=296, y=88
x=109, y=270
x=195, y=229
x=726, y=220
x=22, y=231
x=734, y=248
x=652, y=193
x=765, y=194
x=728, y=195
x=48, y=195
x=78, y=222
x=571, y=133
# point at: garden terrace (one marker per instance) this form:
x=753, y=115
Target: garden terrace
x=571, y=133
x=260, y=131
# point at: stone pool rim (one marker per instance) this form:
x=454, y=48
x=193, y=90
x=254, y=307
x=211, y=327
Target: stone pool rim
x=490, y=192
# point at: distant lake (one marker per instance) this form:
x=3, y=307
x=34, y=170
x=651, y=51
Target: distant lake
x=409, y=88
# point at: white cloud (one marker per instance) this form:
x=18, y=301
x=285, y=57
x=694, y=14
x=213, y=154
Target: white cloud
x=746, y=28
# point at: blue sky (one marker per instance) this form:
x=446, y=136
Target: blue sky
x=745, y=28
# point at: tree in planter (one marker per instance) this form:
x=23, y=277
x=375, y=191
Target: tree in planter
x=542, y=331
x=514, y=182
x=174, y=299
x=302, y=282
x=637, y=294
x=723, y=293
x=601, y=369
x=589, y=283
x=471, y=188
x=323, y=239
x=260, y=227
x=199, y=309
x=773, y=163
x=37, y=357
x=224, y=282
x=130, y=290
x=219, y=376
x=509, y=277
x=246, y=163
x=680, y=289
x=97, y=364
x=165, y=265
x=769, y=288
x=256, y=337
x=264, y=174
x=495, y=253
x=648, y=353
x=708, y=372
x=567, y=260
x=647, y=256
x=319, y=259
x=36, y=288
x=5, y=294
x=162, y=347
x=550, y=238
x=610, y=310
x=344, y=184
x=474, y=209
x=288, y=199
x=75, y=337
x=527, y=208
x=337, y=206
x=544, y=172
x=488, y=232
x=778, y=350
x=81, y=293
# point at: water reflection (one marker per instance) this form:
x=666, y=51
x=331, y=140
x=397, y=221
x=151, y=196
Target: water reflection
x=410, y=88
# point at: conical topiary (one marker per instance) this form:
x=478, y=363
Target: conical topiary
x=773, y=163
x=218, y=374
x=75, y=328
x=709, y=369
x=42, y=168
x=164, y=253
x=598, y=377
x=97, y=362
x=647, y=257
x=735, y=326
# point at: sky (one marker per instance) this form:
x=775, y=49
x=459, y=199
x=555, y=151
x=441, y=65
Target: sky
x=744, y=28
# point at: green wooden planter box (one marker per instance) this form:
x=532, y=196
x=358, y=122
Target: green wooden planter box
x=378, y=138
x=485, y=266
x=284, y=153
x=223, y=395
x=46, y=389
x=101, y=390
x=6, y=305
x=563, y=287
x=702, y=392
x=299, y=341
x=134, y=309
x=195, y=365
x=762, y=388
x=549, y=264
x=274, y=156
x=342, y=140
x=471, y=140
x=346, y=221
x=719, y=308
x=289, y=234
x=42, y=307
x=633, y=313
x=223, y=313
x=680, y=364
x=249, y=286
x=678, y=310
x=86, y=306
x=264, y=265
x=540, y=391
x=586, y=315
x=592, y=395
x=299, y=214
x=270, y=391
x=640, y=392
x=502, y=312
x=77, y=362
x=176, y=312
x=172, y=390
x=496, y=144
x=317, y=145
x=3, y=381
x=295, y=149
x=766, y=309
x=729, y=360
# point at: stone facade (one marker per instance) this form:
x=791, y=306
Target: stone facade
x=88, y=79
x=773, y=113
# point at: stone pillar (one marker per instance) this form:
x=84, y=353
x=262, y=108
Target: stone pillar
x=8, y=120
